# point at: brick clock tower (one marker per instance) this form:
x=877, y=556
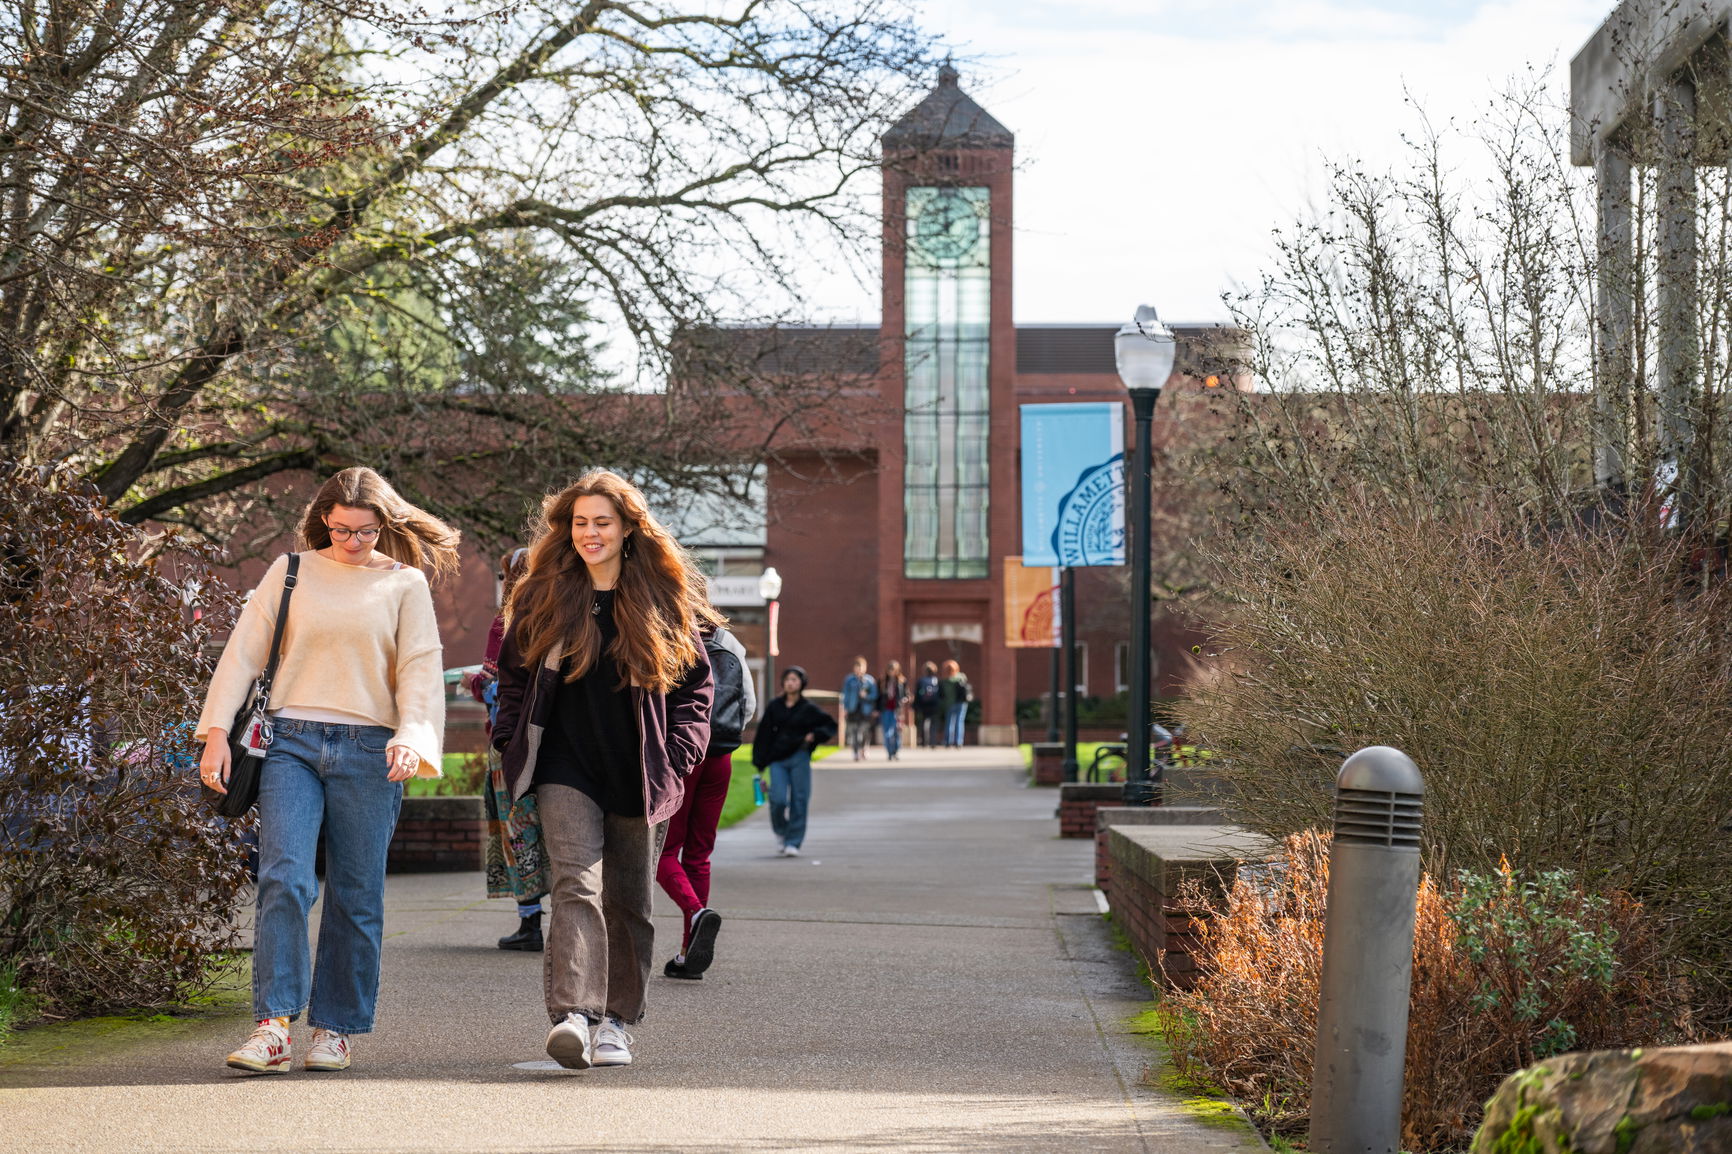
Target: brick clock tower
x=947, y=453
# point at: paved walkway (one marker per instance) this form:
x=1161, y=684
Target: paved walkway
x=931, y=976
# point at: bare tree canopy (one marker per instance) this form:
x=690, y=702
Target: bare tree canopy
x=1431, y=334
x=243, y=238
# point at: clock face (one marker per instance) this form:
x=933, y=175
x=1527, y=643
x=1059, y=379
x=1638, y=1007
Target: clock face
x=947, y=228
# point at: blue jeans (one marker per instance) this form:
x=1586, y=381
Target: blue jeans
x=954, y=726
x=790, y=793
x=317, y=774
x=892, y=732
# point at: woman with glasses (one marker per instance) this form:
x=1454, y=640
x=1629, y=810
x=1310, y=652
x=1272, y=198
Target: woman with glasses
x=604, y=710
x=359, y=707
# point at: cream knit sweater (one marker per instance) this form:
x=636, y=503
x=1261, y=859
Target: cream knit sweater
x=360, y=643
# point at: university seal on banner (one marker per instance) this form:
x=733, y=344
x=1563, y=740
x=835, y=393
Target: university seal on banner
x=1091, y=528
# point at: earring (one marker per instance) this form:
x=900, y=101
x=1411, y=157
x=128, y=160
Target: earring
x=625, y=549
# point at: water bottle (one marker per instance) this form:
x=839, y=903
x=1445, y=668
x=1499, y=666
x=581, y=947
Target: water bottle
x=757, y=790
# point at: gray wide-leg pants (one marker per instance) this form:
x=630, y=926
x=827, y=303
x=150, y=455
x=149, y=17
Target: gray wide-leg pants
x=600, y=940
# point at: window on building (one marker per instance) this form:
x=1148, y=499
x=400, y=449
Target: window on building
x=1122, y=667
x=947, y=400
x=1082, y=669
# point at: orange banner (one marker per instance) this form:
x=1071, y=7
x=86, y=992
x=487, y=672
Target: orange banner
x=1030, y=605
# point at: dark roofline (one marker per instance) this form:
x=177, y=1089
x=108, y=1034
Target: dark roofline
x=947, y=119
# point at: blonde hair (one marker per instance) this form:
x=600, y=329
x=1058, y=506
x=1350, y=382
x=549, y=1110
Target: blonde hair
x=406, y=533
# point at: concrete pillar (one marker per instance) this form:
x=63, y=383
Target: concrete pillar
x=1677, y=354
x=1614, y=288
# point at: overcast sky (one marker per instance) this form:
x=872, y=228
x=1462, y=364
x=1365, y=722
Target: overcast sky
x=1160, y=141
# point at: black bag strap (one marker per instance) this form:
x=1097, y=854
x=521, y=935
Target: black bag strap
x=270, y=672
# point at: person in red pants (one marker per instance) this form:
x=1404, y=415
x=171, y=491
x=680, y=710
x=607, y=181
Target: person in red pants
x=684, y=868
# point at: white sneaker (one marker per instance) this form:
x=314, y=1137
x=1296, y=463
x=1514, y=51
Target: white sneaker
x=568, y=1042
x=612, y=1043
x=790, y=851
x=266, y=1052
x=330, y=1051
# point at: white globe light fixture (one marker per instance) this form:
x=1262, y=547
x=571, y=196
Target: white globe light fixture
x=1145, y=351
x=770, y=584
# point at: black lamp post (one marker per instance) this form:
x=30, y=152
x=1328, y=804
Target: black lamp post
x=1052, y=701
x=1067, y=639
x=1145, y=350
x=770, y=588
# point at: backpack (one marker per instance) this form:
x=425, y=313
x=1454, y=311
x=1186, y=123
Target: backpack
x=734, y=702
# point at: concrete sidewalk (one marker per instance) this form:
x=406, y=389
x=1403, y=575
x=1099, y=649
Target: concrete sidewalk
x=931, y=976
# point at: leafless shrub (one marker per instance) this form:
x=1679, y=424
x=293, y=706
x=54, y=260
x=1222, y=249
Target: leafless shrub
x=1567, y=693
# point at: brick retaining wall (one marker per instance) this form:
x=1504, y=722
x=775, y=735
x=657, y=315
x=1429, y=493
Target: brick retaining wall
x=1078, y=801
x=1150, y=864
x=438, y=834
x=1048, y=762
x=1106, y=817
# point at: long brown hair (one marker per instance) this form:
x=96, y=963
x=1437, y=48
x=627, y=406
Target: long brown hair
x=893, y=672
x=658, y=601
x=512, y=567
x=407, y=534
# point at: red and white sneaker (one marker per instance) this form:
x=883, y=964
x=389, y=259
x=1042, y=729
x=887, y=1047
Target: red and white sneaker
x=267, y=1051
x=330, y=1051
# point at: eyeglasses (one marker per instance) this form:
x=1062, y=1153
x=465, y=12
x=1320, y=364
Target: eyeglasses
x=341, y=534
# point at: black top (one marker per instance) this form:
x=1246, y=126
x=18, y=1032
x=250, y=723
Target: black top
x=784, y=732
x=591, y=743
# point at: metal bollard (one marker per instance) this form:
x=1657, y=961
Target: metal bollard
x=1367, y=955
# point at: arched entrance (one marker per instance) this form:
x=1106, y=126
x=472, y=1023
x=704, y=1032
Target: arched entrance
x=960, y=642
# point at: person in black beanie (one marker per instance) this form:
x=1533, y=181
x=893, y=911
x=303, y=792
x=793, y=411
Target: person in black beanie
x=791, y=728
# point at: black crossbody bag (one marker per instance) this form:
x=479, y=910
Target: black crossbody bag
x=250, y=733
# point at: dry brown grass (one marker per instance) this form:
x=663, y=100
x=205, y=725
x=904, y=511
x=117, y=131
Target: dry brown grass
x=1507, y=969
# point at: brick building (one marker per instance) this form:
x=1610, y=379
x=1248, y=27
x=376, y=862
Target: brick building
x=889, y=521
x=890, y=512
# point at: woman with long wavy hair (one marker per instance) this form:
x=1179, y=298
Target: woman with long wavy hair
x=358, y=704
x=604, y=707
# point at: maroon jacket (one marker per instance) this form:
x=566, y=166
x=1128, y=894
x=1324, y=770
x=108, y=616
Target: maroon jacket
x=673, y=728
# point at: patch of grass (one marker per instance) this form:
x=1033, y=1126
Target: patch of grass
x=227, y=993
x=1198, y=1098
x=1085, y=753
x=465, y=776
x=15, y=1004
x=739, y=803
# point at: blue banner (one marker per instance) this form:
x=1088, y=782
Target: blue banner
x=1073, y=484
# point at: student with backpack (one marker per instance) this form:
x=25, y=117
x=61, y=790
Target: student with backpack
x=684, y=867
x=926, y=705
x=860, y=707
x=954, y=694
